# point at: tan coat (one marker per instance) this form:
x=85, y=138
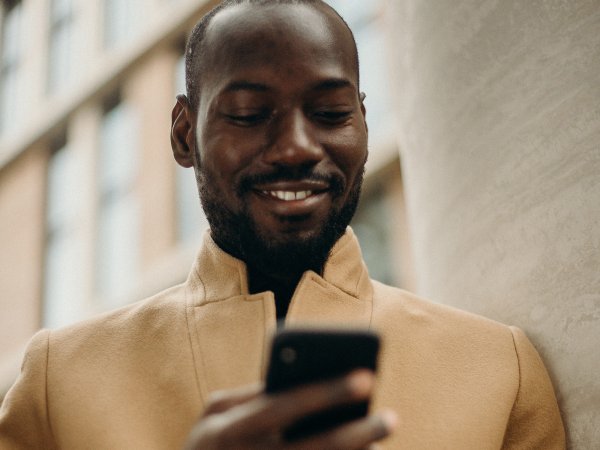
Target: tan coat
x=137, y=378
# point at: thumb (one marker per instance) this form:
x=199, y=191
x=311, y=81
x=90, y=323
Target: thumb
x=220, y=401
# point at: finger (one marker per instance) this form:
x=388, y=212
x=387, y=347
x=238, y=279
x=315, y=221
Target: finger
x=220, y=401
x=287, y=407
x=356, y=435
x=275, y=412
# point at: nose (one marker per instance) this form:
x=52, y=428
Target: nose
x=293, y=142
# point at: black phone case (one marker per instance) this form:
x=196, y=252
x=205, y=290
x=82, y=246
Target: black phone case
x=306, y=356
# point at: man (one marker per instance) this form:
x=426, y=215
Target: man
x=274, y=126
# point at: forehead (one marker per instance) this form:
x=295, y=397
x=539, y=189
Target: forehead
x=284, y=38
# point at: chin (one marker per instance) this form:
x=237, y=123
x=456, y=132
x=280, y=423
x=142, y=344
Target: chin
x=293, y=233
x=289, y=251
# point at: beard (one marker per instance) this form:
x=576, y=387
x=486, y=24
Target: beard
x=279, y=256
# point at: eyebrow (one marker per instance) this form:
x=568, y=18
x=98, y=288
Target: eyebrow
x=332, y=84
x=245, y=86
x=325, y=85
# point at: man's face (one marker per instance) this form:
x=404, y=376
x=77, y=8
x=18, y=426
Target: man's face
x=281, y=134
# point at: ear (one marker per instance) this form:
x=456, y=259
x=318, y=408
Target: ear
x=363, y=110
x=183, y=139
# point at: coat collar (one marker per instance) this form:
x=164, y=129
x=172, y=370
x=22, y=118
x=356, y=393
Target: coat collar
x=216, y=275
x=230, y=329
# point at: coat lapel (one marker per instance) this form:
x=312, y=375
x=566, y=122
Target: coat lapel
x=317, y=302
x=343, y=296
x=231, y=340
x=229, y=328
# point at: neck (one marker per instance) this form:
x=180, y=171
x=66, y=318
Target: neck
x=282, y=287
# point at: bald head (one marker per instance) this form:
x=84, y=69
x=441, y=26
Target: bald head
x=232, y=21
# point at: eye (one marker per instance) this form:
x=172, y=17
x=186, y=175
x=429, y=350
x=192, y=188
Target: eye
x=248, y=119
x=332, y=117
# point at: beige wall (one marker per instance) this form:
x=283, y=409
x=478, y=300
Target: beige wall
x=22, y=198
x=500, y=131
x=151, y=91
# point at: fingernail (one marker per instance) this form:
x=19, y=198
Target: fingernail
x=361, y=383
x=389, y=418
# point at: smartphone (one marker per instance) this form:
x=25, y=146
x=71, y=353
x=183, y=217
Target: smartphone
x=301, y=356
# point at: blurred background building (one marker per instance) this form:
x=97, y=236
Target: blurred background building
x=94, y=212
x=494, y=106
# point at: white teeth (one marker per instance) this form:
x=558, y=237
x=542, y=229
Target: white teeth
x=289, y=195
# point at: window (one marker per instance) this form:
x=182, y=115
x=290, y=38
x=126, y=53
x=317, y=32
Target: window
x=10, y=54
x=121, y=20
x=374, y=227
x=118, y=215
x=191, y=221
x=190, y=216
x=63, y=289
x=60, y=44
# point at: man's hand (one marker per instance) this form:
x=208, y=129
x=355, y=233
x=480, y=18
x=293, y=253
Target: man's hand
x=250, y=419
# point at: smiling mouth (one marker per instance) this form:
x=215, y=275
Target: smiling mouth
x=289, y=196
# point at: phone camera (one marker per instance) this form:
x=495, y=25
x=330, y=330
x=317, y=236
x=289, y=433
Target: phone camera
x=288, y=355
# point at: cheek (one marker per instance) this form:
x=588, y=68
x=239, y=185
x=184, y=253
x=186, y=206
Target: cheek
x=225, y=156
x=348, y=150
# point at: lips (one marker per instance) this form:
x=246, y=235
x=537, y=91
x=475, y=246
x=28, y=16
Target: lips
x=292, y=198
x=292, y=190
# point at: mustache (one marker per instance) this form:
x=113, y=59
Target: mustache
x=335, y=181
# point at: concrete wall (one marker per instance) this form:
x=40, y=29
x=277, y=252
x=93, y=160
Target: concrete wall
x=500, y=135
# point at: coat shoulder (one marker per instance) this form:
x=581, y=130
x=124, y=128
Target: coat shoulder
x=458, y=338
x=459, y=363
x=156, y=319
x=391, y=304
